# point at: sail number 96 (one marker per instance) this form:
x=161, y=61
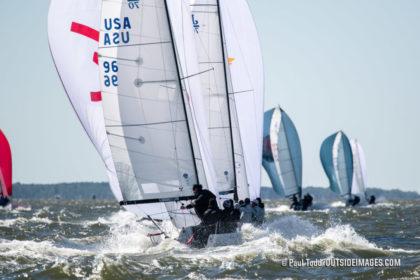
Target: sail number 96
x=110, y=69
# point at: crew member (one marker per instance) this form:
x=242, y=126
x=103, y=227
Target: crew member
x=246, y=211
x=296, y=205
x=229, y=217
x=257, y=213
x=212, y=215
x=201, y=202
x=307, y=202
x=4, y=200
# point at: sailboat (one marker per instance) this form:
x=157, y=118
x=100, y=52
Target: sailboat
x=5, y=170
x=359, y=170
x=154, y=128
x=153, y=107
x=282, y=156
x=337, y=161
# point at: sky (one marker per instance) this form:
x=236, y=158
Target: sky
x=331, y=65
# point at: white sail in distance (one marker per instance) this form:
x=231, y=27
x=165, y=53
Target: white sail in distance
x=246, y=84
x=152, y=103
x=359, y=169
x=73, y=34
x=220, y=108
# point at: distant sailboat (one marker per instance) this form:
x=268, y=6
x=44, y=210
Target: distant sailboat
x=5, y=170
x=337, y=161
x=282, y=156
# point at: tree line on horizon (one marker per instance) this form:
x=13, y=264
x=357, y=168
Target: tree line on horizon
x=101, y=190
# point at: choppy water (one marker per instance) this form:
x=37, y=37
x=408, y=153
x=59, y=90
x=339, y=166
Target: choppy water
x=75, y=239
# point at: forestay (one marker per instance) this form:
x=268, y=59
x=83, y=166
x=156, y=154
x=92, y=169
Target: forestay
x=246, y=83
x=220, y=109
x=359, y=169
x=337, y=161
x=282, y=143
x=153, y=105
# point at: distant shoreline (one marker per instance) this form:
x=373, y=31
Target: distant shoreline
x=101, y=190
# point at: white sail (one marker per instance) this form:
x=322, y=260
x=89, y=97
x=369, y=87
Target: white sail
x=152, y=105
x=73, y=34
x=359, y=169
x=246, y=85
x=220, y=110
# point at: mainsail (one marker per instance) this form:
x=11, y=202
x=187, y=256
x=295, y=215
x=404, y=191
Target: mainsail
x=73, y=34
x=282, y=156
x=5, y=166
x=245, y=84
x=222, y=119
x=359, y=169
x=337, y=161
x=152, y=100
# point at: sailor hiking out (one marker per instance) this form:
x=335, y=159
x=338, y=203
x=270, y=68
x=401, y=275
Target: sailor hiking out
x=201, y=202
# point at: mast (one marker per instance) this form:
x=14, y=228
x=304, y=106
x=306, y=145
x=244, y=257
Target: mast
x=181, y=88
x=235, y=194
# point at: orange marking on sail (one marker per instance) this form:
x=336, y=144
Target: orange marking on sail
x=230, y=60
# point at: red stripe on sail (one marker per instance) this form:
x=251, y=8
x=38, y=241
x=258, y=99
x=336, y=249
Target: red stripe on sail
x=5, y=166
x=85, y=31
x=95, y=58
x=95, y=96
